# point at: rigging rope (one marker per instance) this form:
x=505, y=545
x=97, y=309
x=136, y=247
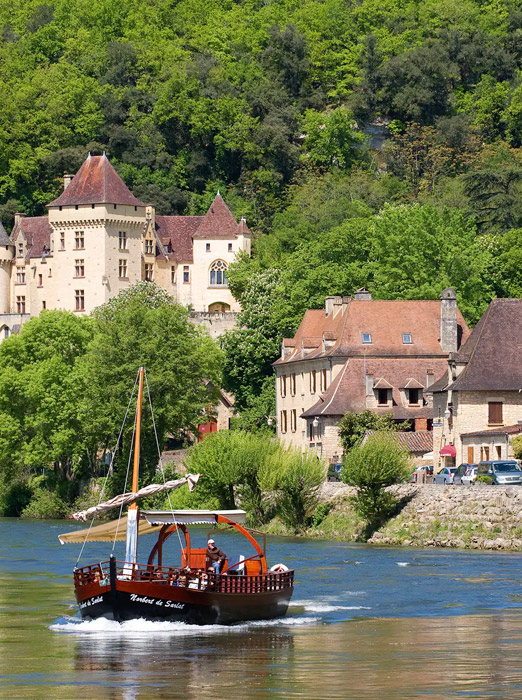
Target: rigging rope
x=126, y=475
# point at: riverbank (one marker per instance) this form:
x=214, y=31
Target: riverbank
x=471, y=517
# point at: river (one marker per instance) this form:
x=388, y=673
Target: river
x=365, y=623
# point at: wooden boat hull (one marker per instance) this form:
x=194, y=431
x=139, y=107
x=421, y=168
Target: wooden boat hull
x=158, y=601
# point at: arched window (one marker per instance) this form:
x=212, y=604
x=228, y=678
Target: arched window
x=218, y=274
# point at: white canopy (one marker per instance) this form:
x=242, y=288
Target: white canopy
x=191, y=517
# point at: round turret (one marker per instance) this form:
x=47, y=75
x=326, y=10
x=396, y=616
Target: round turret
x=7, y=254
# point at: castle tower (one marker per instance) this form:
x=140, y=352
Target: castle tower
x=7, y=253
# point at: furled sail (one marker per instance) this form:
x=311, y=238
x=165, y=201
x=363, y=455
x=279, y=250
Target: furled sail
x=125, y=498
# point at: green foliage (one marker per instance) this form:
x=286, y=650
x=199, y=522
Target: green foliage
x=483, y=479
x=352, y=426
x=372, y=467
x=44, y=504
x=516, y=444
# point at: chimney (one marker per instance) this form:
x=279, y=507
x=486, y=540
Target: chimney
x=330, y=303
x=421, y=423
x=18, y=218
x=448, y=320
x=362, y=294
x=429, y=377
x=67, y=181
x=369, y=382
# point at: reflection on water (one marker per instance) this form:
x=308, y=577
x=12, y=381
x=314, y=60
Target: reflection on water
x=366, y=623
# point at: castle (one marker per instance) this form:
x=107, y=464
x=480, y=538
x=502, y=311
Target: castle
x=99, y=239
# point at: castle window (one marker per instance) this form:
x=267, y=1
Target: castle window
x=406, y=339
x=292, y=384
x=79, y=298
x=40, y=280
x=62, y=240
x=283, y=423
x=79, y=240
x=173, y=275
x=218, y=274
x=20, y=305
x=283, y=386
x=207, y=247
x=323, y=380
x=367, y=338
x=186, y=274
x=92, y=206
x=149, y=248
x=313, y=381
x=6, y=332
x=20, y=250
x=79, y=268
x=44, y=305
x=293, y=420
x=122, y=269
x=122, y=237
x=20, y=275
x=230, y=247
x=148, y=272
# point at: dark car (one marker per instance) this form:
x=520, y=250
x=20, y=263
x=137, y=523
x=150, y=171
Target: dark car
x=462, y=470
x=503, y=472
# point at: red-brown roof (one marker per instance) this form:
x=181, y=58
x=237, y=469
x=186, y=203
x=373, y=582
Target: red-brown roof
x=96, y=182
x=37, y=233
x=178, y=231
x=348, y=390
x=418, y=442
x=504, y=430
x=218, y=221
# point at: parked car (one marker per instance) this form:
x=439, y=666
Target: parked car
x=461, y=474
x=501, y=471
x=334, y=471
x=445, y=476
x=470, y=476
x=421, y=473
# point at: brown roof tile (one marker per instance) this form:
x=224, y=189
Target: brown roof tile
x=4, y=238
x=37, y=233
x=504, y=430
x=218, y=221
x=96, y=182
x=420, y=441
x=178, y=231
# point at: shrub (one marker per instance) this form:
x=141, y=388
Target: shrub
x=298, y=485
x=45, y=504
x=371, y=467
x=483, y=479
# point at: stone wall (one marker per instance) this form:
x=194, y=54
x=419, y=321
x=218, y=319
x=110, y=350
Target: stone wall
x=216, y=323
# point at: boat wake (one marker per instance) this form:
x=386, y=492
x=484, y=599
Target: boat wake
x=314, y=606
x=141, y=627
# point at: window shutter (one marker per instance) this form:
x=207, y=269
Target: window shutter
x=495, y=412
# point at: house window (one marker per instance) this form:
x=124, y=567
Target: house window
x=40, y=280
x=122, y=240
x=498, y=450
x=207, y=247
x=148, y=272
x=413, y=396
x=406, y=339
x=495, y=412
x=20, y=275
x=173, y=275
x=282, y=386
x=186, y=274
x=283, y=422
x=6, y=332
x=20, y=305
x=79, y=268
x=230, y=247
x=382, y=397
x=292, y=384
x=149, y=248
x=79, y=298
x=323, y=380
x=313, y=381
x=218, y=274
x=79, y=240
x=293, y=420
x=20, y=250
x=367, y=338
x=62, y=240
x=122, y=268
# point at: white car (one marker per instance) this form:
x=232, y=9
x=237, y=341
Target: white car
x=470, y=476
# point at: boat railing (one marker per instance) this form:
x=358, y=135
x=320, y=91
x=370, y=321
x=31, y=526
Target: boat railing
x=194, y=579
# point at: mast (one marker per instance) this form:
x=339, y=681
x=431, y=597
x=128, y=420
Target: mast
x=131, y=549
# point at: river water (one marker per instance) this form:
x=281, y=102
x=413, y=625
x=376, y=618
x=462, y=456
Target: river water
x=365, y=623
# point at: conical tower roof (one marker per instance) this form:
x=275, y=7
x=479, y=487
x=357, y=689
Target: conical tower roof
x=96, y=182
x=4, y=238
x=218, y=221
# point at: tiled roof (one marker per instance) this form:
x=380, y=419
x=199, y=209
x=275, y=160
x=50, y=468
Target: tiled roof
x=348, y=390
x=218, y=222
x=96, y=182
x=492, y=352
x=504, y=430
x=420, y=441
x=178, y=231
x=4, y=238
x=385, y=321
x=37, y=233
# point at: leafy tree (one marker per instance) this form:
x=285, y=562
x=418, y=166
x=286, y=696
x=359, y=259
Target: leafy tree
x=332, y=139
x=353, y=426
x=297, y=489
x=371, y=468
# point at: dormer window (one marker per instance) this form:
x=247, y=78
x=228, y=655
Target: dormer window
x=406, y=339
x=367, y=338
x=413, y=397
x=382, y=397
x=20, y=250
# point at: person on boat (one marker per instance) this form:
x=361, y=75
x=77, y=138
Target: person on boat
x=215, y=557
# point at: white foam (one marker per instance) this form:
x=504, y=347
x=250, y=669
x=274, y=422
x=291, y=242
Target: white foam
x=315, y=606
x=402, y=563
x=139, y=628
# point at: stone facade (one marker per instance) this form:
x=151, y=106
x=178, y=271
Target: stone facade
x=98, y=239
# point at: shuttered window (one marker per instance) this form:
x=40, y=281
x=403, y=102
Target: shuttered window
x=495, y=412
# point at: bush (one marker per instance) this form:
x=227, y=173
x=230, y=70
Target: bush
x=483, y=479
x=45, y=504
x=14, y=497
x=298, y=485
x=320, y=513
x=371, y=467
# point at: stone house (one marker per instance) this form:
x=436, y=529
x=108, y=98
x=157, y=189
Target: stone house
x=98, y=239
x=477, y=402
x=360, y=354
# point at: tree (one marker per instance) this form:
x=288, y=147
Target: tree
x=371, y=468
x=332, y=139
x=353, y=426
x=297, y=489
x=142, y=326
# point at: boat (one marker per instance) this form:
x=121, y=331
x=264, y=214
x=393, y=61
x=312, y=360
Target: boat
x=189, y=591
